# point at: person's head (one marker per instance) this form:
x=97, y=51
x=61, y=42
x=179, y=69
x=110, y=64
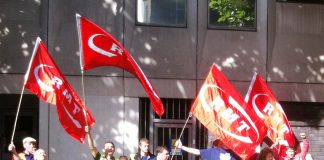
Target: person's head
x=29, y=144
x=123, y=157
x=40, y=154
x=162, y=153
x=144, y=145
x=109, y=148
x=217, y=143
x=266, y=154
x=290, y=152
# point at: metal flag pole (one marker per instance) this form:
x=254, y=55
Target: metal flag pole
x=184, y=126
x=78, y=18
x=17, y=113
x=23, y=88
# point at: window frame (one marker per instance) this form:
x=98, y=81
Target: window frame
x=301, y=1
x=162, y=25
x=219, y=27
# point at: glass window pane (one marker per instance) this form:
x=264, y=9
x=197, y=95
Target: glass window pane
x=161, y=12
x=232, y=14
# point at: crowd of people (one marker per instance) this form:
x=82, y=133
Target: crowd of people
x=218, y=151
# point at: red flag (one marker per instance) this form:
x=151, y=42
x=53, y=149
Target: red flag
x=222, y=110
x=44, y=79
x=268, y=109
x=99, y=48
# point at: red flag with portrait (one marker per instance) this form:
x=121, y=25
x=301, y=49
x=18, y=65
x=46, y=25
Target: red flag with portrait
x=44, y=79
x=222, y=110
x=99, y=48
x=268, y=109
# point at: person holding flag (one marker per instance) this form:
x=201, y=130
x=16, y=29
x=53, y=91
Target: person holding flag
x=44, y=79
x=29, y=145
x=304, y=147
x=218, y=151
x=222, y=110
x=109, y=148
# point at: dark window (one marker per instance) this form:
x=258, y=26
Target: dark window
x=27, y=124
x=303, y=1
x=310, y=112
x=232, y=14
x=161, y=12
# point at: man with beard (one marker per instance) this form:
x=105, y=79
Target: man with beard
x=29, y=145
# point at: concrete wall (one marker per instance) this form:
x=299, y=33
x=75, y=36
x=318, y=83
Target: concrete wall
x=297, y=57
x=237, y=53
x=286, y=48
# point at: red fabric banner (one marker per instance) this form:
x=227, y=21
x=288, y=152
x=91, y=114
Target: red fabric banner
x=99, y=48
x=222, y=110
x=268, y=109
x=44, y=79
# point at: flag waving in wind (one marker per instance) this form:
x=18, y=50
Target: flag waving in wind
x=99, y=48
x=44, y=79
x=222, y=110
x=268, y=109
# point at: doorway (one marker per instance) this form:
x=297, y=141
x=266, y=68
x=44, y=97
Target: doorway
x=165, y=130
x=27, y=124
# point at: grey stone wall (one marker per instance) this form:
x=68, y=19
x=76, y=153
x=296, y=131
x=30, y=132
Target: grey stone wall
x=286, y=48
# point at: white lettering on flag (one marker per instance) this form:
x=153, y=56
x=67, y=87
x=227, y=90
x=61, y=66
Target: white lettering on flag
x=39, y=81
x=96, y=48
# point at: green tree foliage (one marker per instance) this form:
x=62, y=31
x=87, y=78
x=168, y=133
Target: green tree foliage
x=234, y=13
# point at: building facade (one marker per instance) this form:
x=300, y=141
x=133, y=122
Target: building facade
x=175, y=43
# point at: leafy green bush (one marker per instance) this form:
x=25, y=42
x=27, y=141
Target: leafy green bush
x=234, y=13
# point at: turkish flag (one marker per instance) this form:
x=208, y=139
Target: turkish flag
x=44, y=79
x=99, y=48
x=268, y=109
x=222, y=110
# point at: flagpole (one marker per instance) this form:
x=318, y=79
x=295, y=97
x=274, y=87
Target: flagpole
x=78, y=17
x=247, y=96
x=184, y=126
x=23, y=89
x=17, y=113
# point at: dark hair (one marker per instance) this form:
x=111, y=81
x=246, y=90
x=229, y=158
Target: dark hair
x=159, y=149
x=290, y=148
x=217, y=143
x=110, y=143
x=264, y=152
x=123, y=156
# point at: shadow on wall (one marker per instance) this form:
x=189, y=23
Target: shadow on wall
x=19, y=26
x=310, y=113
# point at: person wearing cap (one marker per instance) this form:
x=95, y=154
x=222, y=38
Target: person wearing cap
x=218, y=152
x=29, y=145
